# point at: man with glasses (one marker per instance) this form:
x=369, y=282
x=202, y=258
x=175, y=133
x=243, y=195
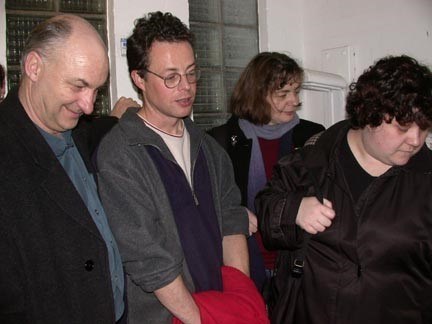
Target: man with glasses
x=168, y=188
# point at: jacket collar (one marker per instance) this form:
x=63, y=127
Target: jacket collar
x=29, y=136
x=236, y=134
x=137, y=133
x=18, y=123
x=48, y=173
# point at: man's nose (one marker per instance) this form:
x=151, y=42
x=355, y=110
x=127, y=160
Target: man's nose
x=87, y=100
x=184, y=83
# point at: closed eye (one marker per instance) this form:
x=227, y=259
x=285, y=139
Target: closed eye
x=78, y=88
x=172, y=76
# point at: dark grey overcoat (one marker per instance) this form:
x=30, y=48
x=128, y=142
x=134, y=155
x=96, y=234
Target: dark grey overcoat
x=53, y=261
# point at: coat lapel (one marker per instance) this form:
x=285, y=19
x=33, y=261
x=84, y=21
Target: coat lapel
x=47, y=171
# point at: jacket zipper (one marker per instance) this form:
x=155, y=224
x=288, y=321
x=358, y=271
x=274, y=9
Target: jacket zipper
x=194, y=196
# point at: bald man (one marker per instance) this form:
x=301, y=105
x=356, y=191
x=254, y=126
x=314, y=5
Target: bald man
x=59, y=262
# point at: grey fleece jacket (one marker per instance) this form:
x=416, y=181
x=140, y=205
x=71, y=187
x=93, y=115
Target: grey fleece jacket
x=140, y=214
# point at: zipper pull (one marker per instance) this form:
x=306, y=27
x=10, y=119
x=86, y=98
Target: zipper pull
x=195, y=198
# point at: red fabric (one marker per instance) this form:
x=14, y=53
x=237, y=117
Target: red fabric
x=238, y=303
x=270, y=153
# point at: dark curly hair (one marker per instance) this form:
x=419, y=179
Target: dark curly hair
x=265, y=73
x=156, y=26
x=395, y=87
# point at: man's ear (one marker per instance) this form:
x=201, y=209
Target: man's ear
x=33, y=65
x=138, y=80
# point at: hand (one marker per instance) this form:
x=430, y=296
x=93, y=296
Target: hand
x=313, y=216
x=122, y=105
x=253, y=222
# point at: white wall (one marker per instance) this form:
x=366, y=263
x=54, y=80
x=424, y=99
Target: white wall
x=369, y=28
x=344, y=37
x=281, y=27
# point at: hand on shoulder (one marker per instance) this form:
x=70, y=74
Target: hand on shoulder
x=122, y=105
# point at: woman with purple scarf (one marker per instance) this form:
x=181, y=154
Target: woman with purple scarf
x=264, y=126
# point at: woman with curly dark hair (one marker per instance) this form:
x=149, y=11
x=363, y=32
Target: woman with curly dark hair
x=369, y=249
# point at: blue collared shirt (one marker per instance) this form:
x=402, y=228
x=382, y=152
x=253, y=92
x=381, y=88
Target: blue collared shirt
x=71, y=160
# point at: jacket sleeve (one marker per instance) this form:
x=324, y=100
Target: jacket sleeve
x=227, y=197
x=278, y=203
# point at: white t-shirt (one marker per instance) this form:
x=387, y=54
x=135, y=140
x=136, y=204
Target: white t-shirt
x=179, y=147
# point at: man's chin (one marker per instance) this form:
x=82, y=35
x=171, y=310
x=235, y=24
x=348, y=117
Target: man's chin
x=70, y=124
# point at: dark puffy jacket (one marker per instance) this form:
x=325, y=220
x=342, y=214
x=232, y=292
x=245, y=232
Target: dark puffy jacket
x=374, y=263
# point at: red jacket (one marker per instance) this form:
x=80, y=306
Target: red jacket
x=239, y=302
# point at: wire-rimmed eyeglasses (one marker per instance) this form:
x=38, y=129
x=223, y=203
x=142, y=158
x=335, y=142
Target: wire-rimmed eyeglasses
x=172, y=80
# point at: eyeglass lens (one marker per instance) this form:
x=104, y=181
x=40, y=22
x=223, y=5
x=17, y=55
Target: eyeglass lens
x=174, y=79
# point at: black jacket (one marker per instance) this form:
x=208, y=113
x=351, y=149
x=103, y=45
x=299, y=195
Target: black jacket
x=239, y=148
x=53, y=261
x=374, y=263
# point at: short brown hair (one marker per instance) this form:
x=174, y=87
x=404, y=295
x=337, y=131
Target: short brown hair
x=265, y=73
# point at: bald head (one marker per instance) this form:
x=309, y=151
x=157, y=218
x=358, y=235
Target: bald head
x=64, y=64
x=55, y=33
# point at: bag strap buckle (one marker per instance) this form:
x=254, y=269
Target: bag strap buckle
x=297, y=268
